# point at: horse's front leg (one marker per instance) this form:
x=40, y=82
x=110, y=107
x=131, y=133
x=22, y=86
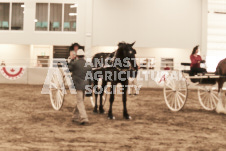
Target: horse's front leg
x=95, y=89
x=124, y=99
x=101, y=108
x=112, y=97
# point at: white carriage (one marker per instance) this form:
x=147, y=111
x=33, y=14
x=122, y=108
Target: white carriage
x=59, y=82
x=176, y=89
x=58, y=87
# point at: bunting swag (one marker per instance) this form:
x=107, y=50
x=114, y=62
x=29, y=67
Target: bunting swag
x=12, y=73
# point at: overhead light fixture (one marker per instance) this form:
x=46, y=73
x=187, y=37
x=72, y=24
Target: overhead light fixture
x=35, y=20
x=74, y=5
x=72, y=14
x=23, y=5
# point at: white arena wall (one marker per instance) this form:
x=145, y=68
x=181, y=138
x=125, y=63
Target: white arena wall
x=152, y=23
x=179, y=55
x=12, y=52
x=34, y=76
x=37, y=76
x=161, y=28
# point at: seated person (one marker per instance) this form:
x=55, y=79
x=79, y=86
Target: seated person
x=72, y=56
x=195, y=62
x=73, y=51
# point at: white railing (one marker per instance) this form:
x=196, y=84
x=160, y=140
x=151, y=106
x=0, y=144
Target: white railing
x=49, y=62
x=26, y=62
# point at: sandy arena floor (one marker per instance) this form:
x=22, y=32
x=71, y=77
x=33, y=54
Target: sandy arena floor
x=28, y=122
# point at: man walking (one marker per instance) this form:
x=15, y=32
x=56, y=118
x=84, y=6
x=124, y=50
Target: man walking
x=79, y=70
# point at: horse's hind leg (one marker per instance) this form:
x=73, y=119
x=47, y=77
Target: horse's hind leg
x=95, y=87
x=101, y=109
x=220, y=108
x=112, y=97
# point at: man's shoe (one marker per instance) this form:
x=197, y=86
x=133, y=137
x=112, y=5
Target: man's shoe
x=84, y=123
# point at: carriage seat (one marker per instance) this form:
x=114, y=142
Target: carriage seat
x=210, y=73
x=186, y=71
x=185, y=64
x=189, y=64
x=200, y=80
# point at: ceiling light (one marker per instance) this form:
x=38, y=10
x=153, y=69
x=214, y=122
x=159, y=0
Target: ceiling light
x=72, y=14
x=23, y=5
x=74, y=5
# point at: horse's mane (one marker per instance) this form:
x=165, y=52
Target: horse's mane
x=121, y=43
x=121, y=48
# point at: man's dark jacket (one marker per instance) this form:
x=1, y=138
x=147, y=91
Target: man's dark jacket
x=79, y=71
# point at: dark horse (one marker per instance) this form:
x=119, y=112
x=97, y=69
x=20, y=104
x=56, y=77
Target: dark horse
x=115, y=68
x=221, y=70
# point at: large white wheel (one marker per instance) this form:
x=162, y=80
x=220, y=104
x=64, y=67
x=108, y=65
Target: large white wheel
x=175, y=94
x=208, y=97
x=57, y=90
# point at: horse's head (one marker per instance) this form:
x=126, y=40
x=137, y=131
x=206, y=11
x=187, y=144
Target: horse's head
x=126, y=50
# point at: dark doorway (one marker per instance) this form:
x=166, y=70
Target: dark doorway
x=61, y=52
x=43, y=61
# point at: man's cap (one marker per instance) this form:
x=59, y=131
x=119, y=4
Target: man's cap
x=80, y=52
